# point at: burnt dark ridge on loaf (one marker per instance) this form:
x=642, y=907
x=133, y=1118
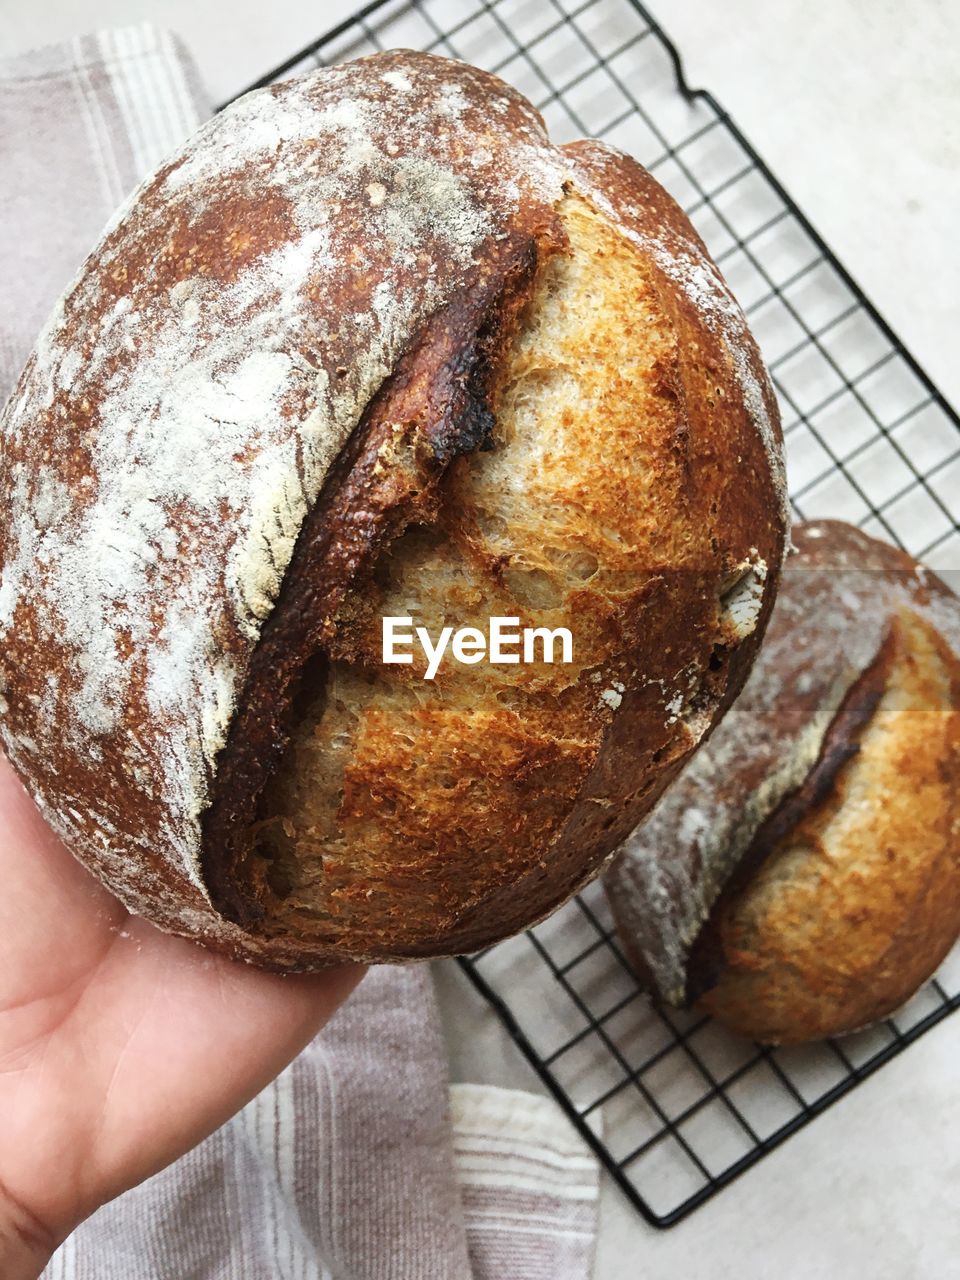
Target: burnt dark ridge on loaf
x=434, y=407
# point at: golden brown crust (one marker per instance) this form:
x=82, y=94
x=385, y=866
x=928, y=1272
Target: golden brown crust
x=846, y=894
x=262, y=377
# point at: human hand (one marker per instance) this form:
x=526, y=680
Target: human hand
x=121, y=1047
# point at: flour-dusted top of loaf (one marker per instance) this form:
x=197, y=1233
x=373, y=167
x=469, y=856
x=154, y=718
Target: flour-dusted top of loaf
x=190, y=393
x=837, y=598
x=197, y=382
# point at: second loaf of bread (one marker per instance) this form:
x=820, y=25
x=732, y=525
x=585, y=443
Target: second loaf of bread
x=802, y=877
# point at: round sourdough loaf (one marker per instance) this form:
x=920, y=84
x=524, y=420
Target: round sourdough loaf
x=802, y=877
x=371, y=345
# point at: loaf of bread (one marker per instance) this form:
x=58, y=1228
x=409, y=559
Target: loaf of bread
x=802, y=877
x=372, y=346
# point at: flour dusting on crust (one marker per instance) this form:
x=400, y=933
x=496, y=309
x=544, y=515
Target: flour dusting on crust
x=194, y=386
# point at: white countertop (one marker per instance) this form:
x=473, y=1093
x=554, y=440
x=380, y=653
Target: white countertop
x=857, y=108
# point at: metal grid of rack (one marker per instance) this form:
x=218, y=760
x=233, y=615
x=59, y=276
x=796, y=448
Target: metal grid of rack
x=674, y=1106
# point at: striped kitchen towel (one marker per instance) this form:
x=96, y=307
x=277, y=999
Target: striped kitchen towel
x=358, y=1162
x=80, y=124
x=528, y=1185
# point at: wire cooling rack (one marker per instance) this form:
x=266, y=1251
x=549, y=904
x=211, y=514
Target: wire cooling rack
x=675, y=1107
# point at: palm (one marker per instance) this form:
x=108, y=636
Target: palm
x=120, y=1047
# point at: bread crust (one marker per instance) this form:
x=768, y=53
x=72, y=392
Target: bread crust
x=260, y=378
x=822, y=868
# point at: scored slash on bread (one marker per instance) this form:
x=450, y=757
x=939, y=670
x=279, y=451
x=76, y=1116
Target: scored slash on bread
x=370, y=332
